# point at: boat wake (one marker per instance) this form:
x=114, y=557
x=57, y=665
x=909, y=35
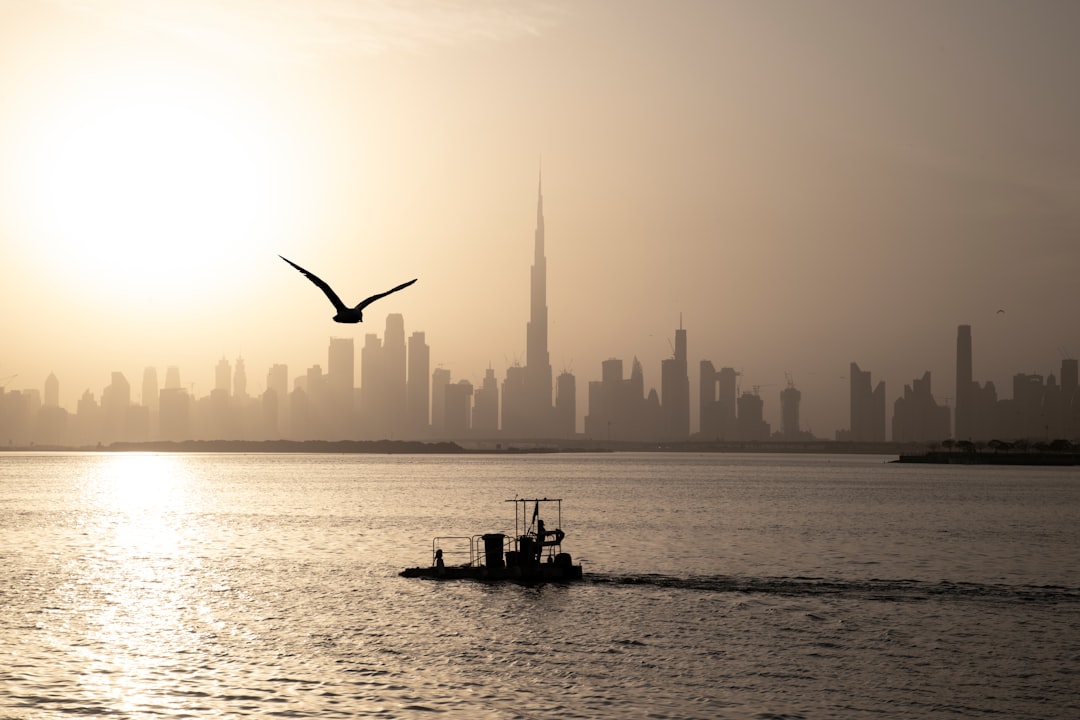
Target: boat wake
x=873, y=589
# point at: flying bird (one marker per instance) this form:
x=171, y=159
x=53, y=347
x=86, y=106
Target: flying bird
x=345, y=314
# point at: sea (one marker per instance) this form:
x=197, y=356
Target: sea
x=768, y=586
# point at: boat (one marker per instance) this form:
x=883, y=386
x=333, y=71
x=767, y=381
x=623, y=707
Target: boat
x=533, y=554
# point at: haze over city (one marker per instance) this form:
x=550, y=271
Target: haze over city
x=804, y=185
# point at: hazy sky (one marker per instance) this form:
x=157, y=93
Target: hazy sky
x=807, y=183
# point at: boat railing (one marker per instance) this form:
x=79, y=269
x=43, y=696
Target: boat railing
x=456, y=550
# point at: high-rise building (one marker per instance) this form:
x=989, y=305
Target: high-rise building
x=457, y=409
x=440, y=379
x=418, y=384
x=150, y=389
x=718, y=392
x=383, y=381
x=917, y=417
x=52, y=391
x=965, y=421
x=340, y=381
x=790, y=397
x=867, y=407
x=750, y=423
x=529, y=413
x=395, y=376
x=565, y=405
x=223, y=376
x=275, y=415
x=485, y=419
x=675, y=392
x=1070, y=399
x=618, y=407
x=240, y=379
x=115, y=401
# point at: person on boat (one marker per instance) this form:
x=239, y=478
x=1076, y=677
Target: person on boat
x=440, y=566
x=541, y=538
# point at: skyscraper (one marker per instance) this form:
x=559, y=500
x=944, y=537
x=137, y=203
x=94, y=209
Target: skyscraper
x=534, y=416
x=418, y=385
x=223, y=376
x=340, y=383
x=964, y=396
x=790, y=397
x=395, y=376
x=867, y=407
x=675, y=392
x=240, y=379
x=52, y=391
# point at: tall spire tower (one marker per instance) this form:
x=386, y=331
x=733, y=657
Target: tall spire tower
x=537, y=361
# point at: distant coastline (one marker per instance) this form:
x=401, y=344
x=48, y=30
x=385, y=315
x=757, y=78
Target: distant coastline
x=1023, y=457
x=916, y=453
x=478, y=447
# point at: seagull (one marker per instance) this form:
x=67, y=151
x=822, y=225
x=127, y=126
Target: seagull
x=345, y=314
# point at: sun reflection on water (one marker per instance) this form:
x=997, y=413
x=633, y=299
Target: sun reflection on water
x=142, y=498
x=135, y=575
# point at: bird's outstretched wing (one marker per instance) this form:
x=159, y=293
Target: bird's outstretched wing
x=321, y=284
x=373, y=298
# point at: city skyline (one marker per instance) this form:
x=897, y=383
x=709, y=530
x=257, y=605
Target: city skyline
x=805, y=186
x=399, y=396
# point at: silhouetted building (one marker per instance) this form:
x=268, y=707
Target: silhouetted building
x=717, y=395
x=528, y=410
x=618, y=408
x=457, y=407
x=383, y=381
x=395, y=375
x=867, y=408
x=52, y=391
x=340, y=384
x=174, y=414
x=115, y=401
x=417, y=386
x=240, y=379
x=565, y=405
x=1026, y=417
x=515, y=407
x=440, y=379
x=150, y=398
x=52, y=420
x=750, y=423
x=790, y=398
x=16, y=416
x=485, y=420
x=965, y=401
x=223, y=377
x=1070, y=400
x=675, y=392
x=87, y=420
x=917, y=417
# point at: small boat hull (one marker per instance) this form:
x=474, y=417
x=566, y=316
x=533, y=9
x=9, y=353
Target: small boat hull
x=541, y=573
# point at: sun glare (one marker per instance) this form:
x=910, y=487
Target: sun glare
x=143, y=179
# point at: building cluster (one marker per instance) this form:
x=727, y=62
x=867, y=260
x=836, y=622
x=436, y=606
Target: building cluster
x=1040, y=409
x=399, y=396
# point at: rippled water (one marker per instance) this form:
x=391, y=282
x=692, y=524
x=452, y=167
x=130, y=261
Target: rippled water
x=717, y=586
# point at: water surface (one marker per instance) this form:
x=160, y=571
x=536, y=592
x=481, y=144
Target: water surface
x=717, y=586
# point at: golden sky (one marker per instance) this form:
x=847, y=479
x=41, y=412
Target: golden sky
x=807, y=184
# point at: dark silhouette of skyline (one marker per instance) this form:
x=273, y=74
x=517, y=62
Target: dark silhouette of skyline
x=400, y=397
